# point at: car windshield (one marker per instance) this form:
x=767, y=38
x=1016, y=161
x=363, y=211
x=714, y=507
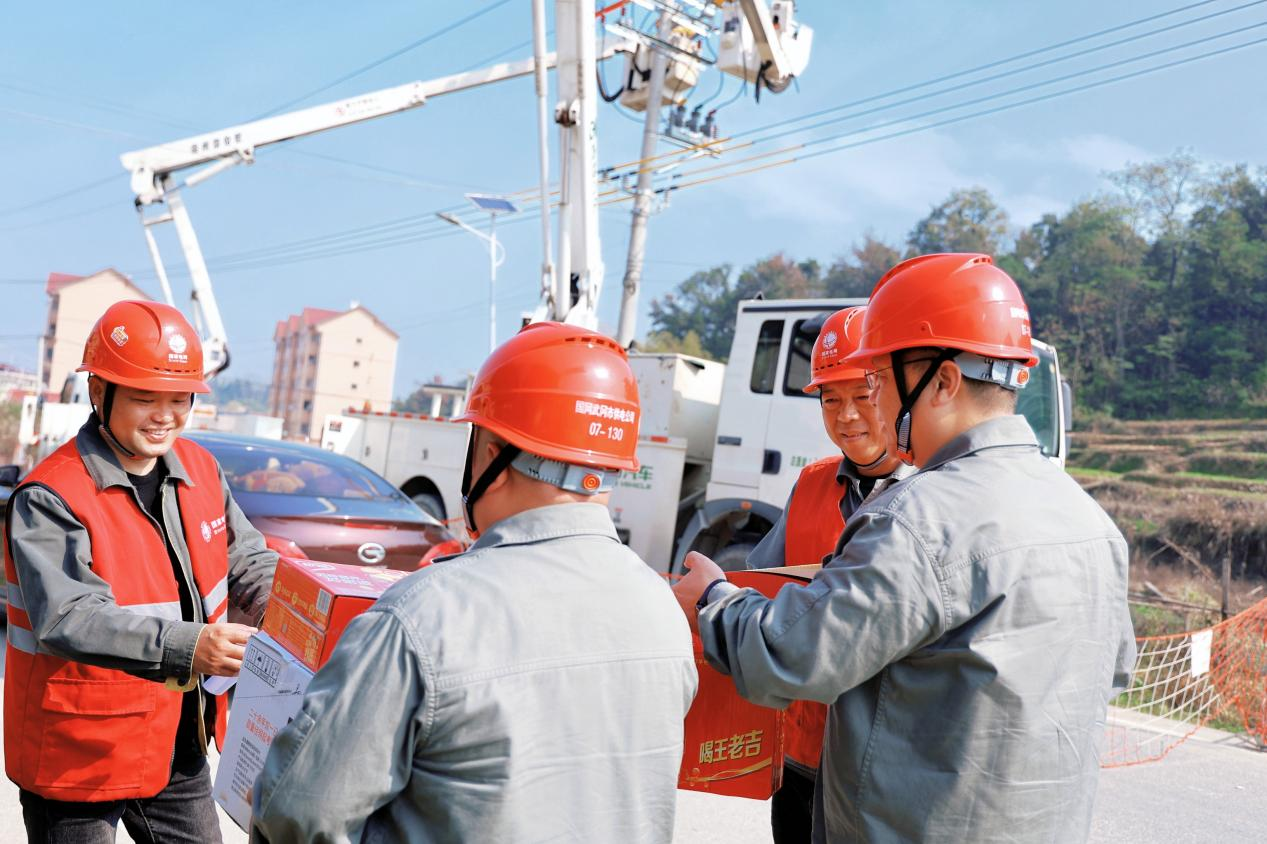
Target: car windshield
x=252, y=468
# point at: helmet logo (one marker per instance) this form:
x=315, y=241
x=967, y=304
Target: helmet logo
x=177, y=344
x=829, y=340
x=206, y=532
x=1022, y=377
x=591, y=483
x=119, y=335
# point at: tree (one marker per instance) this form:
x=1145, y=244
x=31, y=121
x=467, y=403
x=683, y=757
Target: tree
x=706, y=303
x=968, y=221
x=663, y=341
x=853, y=277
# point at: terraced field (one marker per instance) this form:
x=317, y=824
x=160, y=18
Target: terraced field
x=1187, y=494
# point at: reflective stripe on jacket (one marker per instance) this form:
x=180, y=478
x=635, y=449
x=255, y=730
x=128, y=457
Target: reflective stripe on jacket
x=77, y=732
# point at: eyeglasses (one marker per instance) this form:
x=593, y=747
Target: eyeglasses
x=873, y=375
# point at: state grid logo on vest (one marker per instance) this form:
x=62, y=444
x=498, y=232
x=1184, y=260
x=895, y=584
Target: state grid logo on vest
x=206, y=531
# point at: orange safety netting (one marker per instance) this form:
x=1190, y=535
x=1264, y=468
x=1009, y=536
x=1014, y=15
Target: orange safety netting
x=1184, y=681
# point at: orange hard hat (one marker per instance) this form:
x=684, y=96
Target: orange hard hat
x=561, y=392
x=952, y=300
x=837, y=340
x=145, y=345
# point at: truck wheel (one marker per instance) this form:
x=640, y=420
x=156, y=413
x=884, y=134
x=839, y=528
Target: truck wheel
x=734, y=557
x=431, y=504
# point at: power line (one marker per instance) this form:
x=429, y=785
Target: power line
x=396, y=233
x=55, y=197
x=994, y=78
x=426, y=39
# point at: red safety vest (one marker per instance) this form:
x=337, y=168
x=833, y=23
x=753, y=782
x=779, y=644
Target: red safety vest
x=75, y=732
x=813, y=526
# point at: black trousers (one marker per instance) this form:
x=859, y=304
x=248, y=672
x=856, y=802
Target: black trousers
x=183, y=812
x=792, y=808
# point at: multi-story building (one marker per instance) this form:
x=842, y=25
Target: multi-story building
x=327, y=361
x=74, y=305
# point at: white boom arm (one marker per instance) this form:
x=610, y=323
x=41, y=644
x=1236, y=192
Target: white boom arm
x=152, y=170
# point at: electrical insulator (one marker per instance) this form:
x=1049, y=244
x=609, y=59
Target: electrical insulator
x=692, y=125
x=709, y=129
x=679, y=116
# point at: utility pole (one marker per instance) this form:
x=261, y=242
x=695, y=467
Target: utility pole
x=644, y=195
x=542, y=85
x=579, y=249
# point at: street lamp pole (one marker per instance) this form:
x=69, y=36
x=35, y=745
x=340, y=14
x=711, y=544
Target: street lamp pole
x=492, y=205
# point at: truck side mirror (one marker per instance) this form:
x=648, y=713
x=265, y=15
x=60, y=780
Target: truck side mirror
x=1066, y=403
x=9, y=474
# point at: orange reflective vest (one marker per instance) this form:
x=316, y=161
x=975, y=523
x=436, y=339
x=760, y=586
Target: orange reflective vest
x=76, y=732
x=813, y=525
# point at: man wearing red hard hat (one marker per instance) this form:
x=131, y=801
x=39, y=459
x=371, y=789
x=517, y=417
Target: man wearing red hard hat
x=973, y=624
x=125, y=550
x=533, y=688
x=826, y=494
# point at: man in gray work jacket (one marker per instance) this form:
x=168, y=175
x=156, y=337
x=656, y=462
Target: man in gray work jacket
x=973, y=625
x=125, y=551
x=531, y=689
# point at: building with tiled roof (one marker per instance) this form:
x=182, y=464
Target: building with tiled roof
x=74, y=305
x=327, y=361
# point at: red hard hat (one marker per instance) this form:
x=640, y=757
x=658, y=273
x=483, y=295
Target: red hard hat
x=837, y=340
x=957, y=300
x=145, y=345
x=562, y=392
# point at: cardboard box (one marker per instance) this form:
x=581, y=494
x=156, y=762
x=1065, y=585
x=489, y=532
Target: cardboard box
x=269, y=692
x=312, y=602
x=733, y=747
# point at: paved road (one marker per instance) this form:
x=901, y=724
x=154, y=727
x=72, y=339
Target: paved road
x=1209, y=789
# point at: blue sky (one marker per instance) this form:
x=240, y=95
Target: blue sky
x=82, y=82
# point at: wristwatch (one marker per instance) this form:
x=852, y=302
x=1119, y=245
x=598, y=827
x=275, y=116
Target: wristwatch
x=703, y=598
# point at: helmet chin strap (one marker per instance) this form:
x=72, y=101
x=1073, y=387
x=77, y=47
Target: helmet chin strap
x=902, y=427
x=473, y=493
x=107, y=404
x=862, y=467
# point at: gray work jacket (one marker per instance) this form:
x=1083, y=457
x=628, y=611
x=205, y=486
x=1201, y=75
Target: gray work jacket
x=968, y=636
x=771, y=550
x=72, y=610
x=531, y=689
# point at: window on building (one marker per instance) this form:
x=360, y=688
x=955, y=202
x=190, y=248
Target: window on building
x=358, y=339
x=356, y=364
x=307, y=404
x=353, y=386
x=312, y=358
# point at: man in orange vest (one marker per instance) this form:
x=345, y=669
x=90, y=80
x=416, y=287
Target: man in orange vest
x=826, y=494
x=125, y=550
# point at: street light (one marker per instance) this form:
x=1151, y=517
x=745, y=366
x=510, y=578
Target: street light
x=491, y=205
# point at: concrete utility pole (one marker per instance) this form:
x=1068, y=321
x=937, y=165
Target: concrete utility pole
x=542, y=85
x=644, y=196
x=579, y=249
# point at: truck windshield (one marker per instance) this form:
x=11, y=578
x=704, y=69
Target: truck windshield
x=1039, y=401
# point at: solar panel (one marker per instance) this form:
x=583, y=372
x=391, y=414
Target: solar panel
x=492, y=204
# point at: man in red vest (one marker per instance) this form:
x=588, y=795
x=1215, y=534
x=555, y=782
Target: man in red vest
x=125, y=550
x=824, y=497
